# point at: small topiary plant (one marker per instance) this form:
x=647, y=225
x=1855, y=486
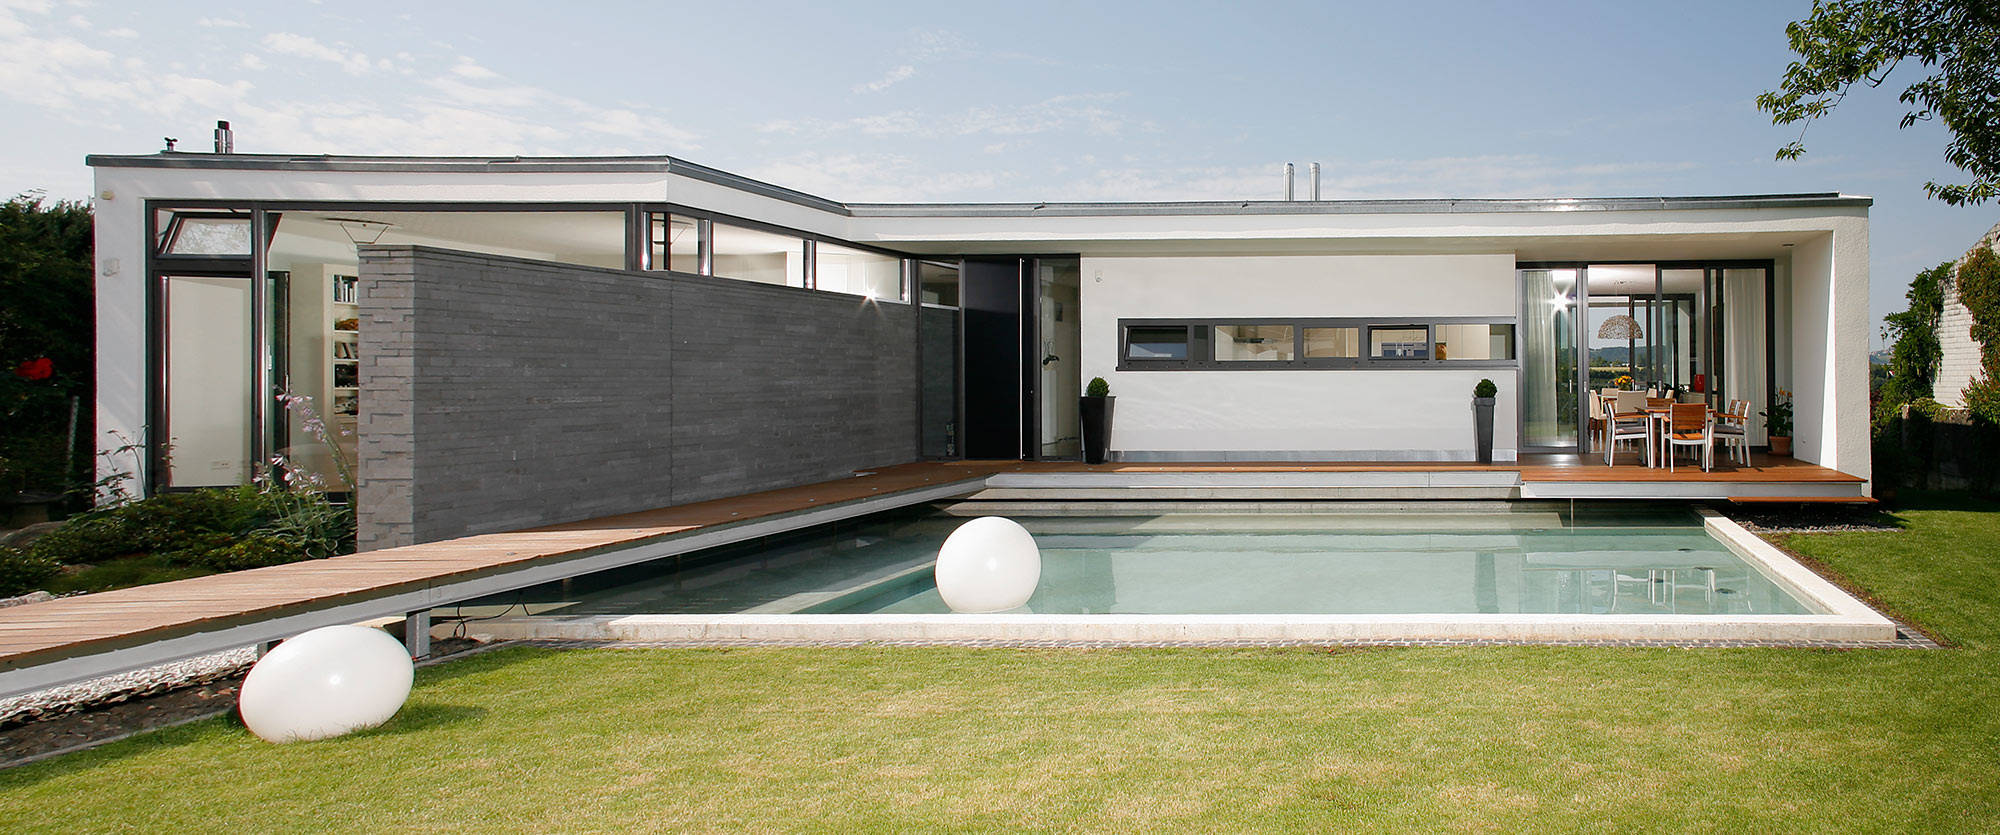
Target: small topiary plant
x=1486, y=388
x=1097, y=388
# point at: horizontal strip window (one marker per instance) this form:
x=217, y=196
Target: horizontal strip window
x=1318, y=343
x=756, y=252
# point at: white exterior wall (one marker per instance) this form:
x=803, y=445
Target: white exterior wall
x=1958, y=366
x=1327, y=413
x=1829, y=319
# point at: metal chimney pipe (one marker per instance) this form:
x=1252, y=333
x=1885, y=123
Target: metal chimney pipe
x=1315, y=182
x=225, y=141
x=1288, y=182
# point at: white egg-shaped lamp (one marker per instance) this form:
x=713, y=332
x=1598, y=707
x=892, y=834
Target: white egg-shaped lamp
x=989, y=564
x=324, y=683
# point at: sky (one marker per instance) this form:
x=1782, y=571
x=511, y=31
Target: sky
x=1019, y=101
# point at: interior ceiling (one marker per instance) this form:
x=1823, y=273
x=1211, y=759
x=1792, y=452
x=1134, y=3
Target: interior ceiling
x=1581, y=248
x=552, y=232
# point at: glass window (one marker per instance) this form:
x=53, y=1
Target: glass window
x=846, y=270
x=196, y=235
x=1333, y=343
x=209, y=346
x=1474, y=342
x=1398, y=343
x=676, y=243
x=1253, y=343
x=1156, y=343
x=938, y=283
x=752, y=255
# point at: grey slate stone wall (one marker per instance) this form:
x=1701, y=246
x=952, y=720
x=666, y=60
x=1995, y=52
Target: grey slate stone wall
x=501, y=393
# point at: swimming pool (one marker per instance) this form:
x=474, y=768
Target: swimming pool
x=1483, y=570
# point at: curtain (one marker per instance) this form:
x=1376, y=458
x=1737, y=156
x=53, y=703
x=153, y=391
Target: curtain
x=1743, y=340
x=1538, y=360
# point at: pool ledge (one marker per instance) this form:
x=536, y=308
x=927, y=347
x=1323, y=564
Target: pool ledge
x=1816, y=591
x=1191, y=629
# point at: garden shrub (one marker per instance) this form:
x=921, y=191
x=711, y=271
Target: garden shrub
x=1914, y=353
x=220, y=530
x=21, y=573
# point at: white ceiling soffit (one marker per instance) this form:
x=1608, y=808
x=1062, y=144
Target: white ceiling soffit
x=554, y=233
x=1583, y=249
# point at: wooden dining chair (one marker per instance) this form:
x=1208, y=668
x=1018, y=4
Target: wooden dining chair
x=1692, y=425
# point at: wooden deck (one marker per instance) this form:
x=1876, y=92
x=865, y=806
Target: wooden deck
x=134, y=619
x=1552, y=468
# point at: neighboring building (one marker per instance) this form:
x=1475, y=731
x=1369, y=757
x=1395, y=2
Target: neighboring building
x=1958, y=365
x=516, y=341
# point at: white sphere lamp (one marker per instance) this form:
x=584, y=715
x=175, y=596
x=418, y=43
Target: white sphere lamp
x=324, y=683
x=989, y=564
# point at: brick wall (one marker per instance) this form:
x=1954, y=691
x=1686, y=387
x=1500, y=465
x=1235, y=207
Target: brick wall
x=1959, y=364
x=500, y=393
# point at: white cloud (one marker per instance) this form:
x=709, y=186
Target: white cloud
x=875, y=177
x=221, y=23
x=895, y=76
x=301, y=46
x=122, y=32
x=468, y=68
x=57, y=77
x=1089, y=114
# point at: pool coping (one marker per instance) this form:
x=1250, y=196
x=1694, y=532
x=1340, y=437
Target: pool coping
x=1841, y=619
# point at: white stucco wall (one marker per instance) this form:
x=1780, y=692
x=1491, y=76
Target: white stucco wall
x=1334, y=413
x=1829, y=341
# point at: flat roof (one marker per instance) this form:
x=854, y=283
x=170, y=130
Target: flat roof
x=662, y=164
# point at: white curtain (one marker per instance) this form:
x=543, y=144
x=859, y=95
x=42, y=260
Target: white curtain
x=1743, y=340
x=1538, y=394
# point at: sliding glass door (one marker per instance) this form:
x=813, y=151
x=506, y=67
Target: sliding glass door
x=1548, y=359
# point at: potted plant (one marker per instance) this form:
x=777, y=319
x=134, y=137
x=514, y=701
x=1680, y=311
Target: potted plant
x=1482, y=419
x=1096, y=411
x=1778, y=423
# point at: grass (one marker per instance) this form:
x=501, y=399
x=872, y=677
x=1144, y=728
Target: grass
x=883, y=739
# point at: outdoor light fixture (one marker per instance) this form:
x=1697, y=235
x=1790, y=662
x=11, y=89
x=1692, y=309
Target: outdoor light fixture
x=361, y=232
x=989, y=564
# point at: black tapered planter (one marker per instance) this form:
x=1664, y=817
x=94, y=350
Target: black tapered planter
x=1096, y=428
x=1482, y=428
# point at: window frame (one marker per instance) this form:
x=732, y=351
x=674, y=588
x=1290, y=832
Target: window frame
x=1201, y=352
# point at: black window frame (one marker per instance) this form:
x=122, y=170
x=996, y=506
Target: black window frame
x=1201, y=356
x=1188, y=333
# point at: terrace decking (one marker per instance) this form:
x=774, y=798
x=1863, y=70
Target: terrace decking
x=59, y=641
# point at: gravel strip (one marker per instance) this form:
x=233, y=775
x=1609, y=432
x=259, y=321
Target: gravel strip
x=110, y=690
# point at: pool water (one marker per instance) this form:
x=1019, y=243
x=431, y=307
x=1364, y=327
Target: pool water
x=1123, y=562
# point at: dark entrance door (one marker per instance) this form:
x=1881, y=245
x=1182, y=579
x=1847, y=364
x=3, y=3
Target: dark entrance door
x=991, y=295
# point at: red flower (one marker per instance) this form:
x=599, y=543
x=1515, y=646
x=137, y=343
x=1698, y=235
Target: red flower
x=36, y=369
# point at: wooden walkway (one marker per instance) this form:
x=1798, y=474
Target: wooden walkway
x=72, y=626
x=67, y=628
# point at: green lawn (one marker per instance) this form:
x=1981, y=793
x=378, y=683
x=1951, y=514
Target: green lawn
x=895, y=739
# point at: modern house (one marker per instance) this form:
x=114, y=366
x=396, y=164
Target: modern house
x=503, y=342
